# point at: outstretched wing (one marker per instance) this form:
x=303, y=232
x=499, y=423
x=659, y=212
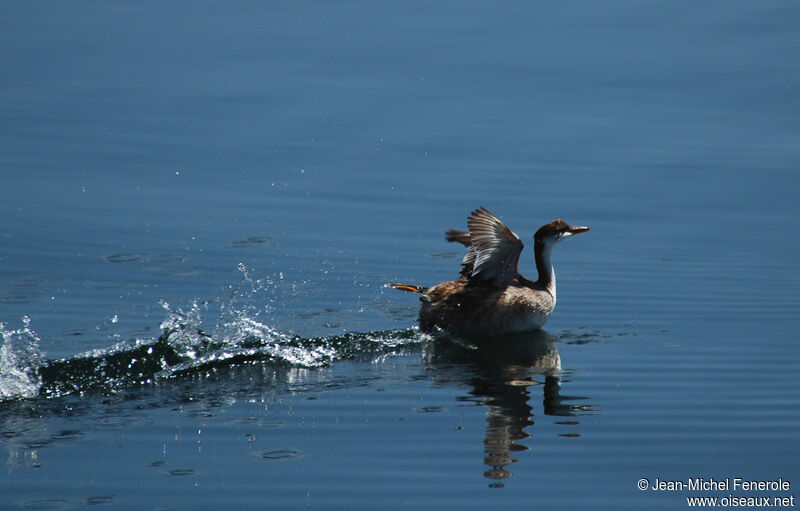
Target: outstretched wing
x=496, y=248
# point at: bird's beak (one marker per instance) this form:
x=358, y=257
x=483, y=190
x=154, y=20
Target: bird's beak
x=577, y=230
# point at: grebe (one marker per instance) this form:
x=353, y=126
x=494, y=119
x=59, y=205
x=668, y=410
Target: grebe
x=490, y=296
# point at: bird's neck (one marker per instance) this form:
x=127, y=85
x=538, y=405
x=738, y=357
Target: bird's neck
x=544, y=265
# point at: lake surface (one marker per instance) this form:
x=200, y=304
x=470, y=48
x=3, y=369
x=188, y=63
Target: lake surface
x=200, y=204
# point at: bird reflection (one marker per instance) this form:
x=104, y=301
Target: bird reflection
x=502, y=371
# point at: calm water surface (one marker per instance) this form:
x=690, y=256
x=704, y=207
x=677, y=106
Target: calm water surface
x=200, y=204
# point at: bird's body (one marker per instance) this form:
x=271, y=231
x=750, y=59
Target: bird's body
x=490, y=296
x=459, y=306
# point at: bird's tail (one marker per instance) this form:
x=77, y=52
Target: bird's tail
x=407, y=287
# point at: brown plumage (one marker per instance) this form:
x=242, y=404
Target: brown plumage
x=490, y=296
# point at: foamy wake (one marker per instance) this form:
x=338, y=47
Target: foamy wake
x=183, y=348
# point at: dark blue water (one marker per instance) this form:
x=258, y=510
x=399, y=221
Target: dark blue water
x=200, y=204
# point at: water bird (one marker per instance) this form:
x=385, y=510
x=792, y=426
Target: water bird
x=490, y=296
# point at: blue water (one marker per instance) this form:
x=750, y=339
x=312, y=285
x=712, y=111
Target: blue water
x=200, y=204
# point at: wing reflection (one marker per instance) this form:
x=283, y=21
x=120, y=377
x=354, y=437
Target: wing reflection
x=502, y=371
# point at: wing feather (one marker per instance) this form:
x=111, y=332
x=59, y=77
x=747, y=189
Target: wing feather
x=468, y=262
x=497, y=248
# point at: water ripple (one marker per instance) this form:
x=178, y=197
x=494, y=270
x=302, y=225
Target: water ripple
x=279, y=454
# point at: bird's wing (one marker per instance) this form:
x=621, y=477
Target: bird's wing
x=468, y=263
x=496, y=248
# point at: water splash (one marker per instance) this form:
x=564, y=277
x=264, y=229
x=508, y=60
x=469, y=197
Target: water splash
x=20, y=360
x=240, y=335
x=244, y=339
x=183, y=350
